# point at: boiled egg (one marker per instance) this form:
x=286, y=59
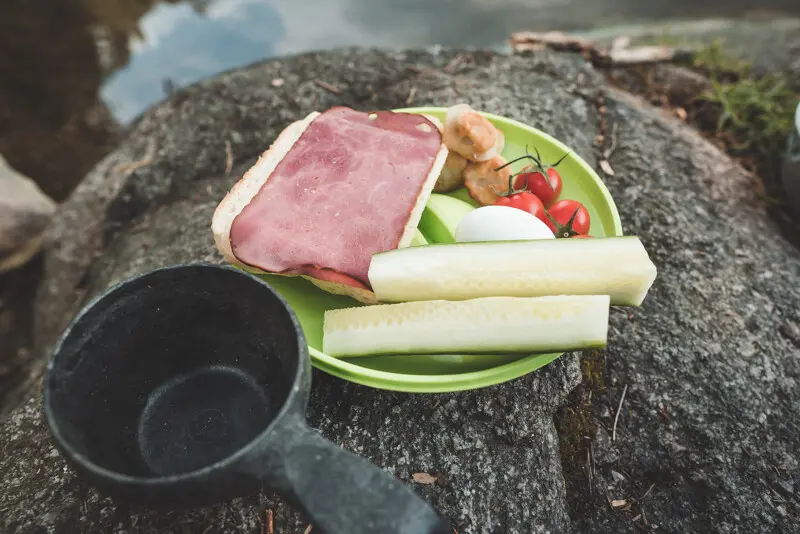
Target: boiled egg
x=501, y=223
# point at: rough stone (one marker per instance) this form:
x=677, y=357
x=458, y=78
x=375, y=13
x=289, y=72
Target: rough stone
x=709, y=418
x=495, y=451
x=25, y=212
x=707, y=425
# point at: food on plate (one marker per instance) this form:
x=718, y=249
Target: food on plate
x=334, y=189
x=614, y=266
x=567, y=218
x=441, y=217
x=501, y=223
x=471, y=135
x=484, y=182
x=545, y=184
x=452, y=175
x=483, y=325
x=523, y=201
x=418, y=239
x=540, y=178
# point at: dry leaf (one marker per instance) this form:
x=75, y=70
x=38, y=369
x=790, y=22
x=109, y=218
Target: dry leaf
x=619, y=503
x=621, y=42
x=423, y=478
x=642, y=54
x=529, y=47
x=328, y=86
x=277, y=82
x=411, y=94
x=681, y=113
x=606, y=166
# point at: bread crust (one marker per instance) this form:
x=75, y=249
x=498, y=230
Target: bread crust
x=254, y=179
x=251, y=183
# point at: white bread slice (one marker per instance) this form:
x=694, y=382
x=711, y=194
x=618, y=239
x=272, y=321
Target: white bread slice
x=254, y=179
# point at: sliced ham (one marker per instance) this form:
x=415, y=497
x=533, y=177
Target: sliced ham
x=347, y=185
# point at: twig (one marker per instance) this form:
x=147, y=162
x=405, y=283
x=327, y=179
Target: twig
x=228, y=158
x=411, y=94
x=589, y=469
x=308, y=529
x=613, y=146
x=128, y=168
x=328, y=87
x=619, y=409
x=648, y=54
x=552, y=39
x=270, y=525
x=607, y=168
x=646, y=493
x=453, y=63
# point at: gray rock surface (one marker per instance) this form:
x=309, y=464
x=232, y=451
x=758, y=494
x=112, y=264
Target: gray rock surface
x=710, y=360
x=150, y=203
x=25, y=212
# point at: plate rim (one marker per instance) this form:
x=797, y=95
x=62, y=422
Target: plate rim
x=470, y=380
x=446, y=383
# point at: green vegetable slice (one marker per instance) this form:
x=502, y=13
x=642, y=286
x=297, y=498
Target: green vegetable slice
x=484, y=325
x=616, y=266
x=441, y=217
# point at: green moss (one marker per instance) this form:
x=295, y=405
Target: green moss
x=714, y=60
x=748, y=114
x=577, y=423
x=753, y=115
x=593, y=368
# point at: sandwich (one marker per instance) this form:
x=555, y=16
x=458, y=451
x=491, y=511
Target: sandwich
x=332, y=190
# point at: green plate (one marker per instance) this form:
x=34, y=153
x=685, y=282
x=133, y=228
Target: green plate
x=452, y=372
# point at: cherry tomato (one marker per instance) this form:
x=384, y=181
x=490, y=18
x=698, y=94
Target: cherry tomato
x=524, y=201
x=534, y=181
x=567, y=218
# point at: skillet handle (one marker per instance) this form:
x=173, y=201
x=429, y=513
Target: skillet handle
x=342, y=493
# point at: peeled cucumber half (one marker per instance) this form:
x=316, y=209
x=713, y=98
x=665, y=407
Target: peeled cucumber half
x=418, y=239
x=616, y=266
x=483, y=325
x=441, y=217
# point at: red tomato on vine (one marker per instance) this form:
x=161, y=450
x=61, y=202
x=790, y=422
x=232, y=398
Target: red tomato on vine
x=568, y=218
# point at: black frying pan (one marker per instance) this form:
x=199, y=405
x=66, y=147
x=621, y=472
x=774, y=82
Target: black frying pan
x=188, y=385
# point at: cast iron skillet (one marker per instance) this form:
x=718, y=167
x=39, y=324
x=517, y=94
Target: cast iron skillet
x=188, y=385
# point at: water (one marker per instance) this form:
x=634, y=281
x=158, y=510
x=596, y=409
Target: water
x=181, y=43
